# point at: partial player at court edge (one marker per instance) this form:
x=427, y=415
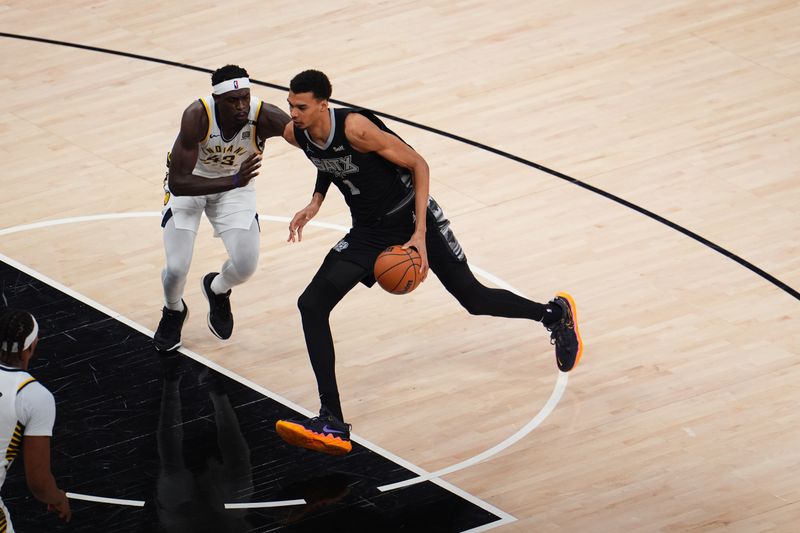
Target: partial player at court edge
x=27, y=415
x=210, y=169
x=385, y=184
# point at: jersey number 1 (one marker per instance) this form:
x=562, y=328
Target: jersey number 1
x=353, y=189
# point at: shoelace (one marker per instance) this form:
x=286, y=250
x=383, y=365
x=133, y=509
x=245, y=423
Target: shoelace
x=559, y=328
x=332, y=421
x=566, y=319
x=561, y=334
x=223, y=301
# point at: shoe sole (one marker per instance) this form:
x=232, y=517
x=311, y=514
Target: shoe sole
x=297, y=435
x=574, y=310
x=167, y=350
x=208, y=315
x=180, y=341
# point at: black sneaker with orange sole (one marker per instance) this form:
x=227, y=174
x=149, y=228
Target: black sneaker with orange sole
x=564, y=334
x=324, y=433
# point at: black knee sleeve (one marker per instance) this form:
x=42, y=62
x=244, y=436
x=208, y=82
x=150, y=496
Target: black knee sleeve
x=319, y=298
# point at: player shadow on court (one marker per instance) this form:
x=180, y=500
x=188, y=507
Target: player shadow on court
x=192, y=499
x=193, y=485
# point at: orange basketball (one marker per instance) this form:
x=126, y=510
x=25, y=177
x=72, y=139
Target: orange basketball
x=397, y=270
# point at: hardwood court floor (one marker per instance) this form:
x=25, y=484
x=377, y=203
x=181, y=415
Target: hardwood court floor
x=683, y=413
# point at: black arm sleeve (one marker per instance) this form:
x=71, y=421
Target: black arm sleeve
x=323, y=182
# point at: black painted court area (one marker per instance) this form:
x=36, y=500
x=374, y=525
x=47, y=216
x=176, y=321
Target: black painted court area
x=136, y=425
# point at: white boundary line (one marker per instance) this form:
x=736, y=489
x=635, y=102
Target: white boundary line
x=101, y=499
x=262, y=505
x=422, y=474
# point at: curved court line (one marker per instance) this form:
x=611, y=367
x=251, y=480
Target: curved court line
x=153, y=214
x=74, y=220
x=558, y=389
x=658, y=218
x=555, y=396
x=422, y=474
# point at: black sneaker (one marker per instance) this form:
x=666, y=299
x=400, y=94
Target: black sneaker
x=324, y=433
x=564, y=333
x=220, y=318
x=168, y=335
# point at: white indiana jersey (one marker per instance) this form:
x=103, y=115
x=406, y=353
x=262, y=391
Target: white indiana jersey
x=11, y=382
x=219, y=157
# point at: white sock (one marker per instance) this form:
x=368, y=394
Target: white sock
x=175, y=306
x=218, y=286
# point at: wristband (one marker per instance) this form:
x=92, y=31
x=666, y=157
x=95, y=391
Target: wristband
x=236, y=180
x=322, y=184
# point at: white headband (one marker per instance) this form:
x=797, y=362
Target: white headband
x=231, y=85
x=28, y=340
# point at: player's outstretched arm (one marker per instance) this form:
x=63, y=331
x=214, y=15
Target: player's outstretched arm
x=183, y=159
x=272, y=121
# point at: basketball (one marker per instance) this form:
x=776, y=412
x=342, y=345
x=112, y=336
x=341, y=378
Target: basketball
x=397, y=270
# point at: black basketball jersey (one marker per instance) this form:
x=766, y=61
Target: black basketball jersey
x=371, y=185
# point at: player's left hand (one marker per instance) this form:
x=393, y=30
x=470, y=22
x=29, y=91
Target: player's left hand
x=417, y=241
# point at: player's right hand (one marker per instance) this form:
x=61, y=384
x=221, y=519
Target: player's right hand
x=61, y=508
x=249, y=169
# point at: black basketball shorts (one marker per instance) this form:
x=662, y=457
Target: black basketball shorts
x=362, y=244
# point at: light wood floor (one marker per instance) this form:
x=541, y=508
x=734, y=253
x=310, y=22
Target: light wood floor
x=683, y=414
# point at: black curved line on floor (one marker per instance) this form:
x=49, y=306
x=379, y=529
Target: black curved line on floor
x=769, y=277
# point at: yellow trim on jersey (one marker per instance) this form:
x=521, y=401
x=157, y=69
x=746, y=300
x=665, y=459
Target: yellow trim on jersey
x=208, y=114
x=14, y=444
x=255, y=128
x=25, y=383
x=3, y=522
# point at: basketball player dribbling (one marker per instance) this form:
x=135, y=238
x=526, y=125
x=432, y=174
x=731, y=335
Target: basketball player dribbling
x=211, y=167
x=385, y=184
